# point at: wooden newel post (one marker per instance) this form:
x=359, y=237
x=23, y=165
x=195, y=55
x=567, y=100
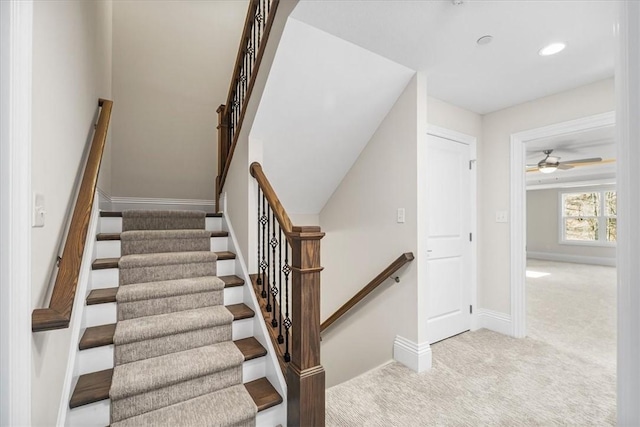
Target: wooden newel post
x=223, y=149
x=305, y=375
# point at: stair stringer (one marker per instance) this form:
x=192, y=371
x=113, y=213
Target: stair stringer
x=77, y=324
x=278, y=414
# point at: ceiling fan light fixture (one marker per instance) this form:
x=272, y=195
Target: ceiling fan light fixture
x=547, y=168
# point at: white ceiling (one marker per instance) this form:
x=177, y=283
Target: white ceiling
x=323, y=100
x=440, y=38
x=599, y=142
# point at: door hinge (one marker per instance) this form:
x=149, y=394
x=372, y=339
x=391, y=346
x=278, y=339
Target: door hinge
x=471, y=237
x=470, y=309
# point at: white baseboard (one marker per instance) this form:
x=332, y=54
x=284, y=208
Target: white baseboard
x=104, y=200
x=495, y=321
x=413, y=355
x=578, y=259
x=124, y=203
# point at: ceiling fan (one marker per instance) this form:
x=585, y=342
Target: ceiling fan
x=550, y=163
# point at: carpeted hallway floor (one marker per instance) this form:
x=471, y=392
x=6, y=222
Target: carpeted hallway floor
x=483, y=378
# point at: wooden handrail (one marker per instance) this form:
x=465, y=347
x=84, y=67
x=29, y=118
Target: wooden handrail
x=377, y=281
x=245, y=71
x=272, y=198
x=58, y=314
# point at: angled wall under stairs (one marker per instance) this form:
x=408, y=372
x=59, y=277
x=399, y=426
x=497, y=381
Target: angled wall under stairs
x=168, y=337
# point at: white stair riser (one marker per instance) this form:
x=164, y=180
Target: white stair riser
x=95, y=359
x=253, y=369
x=94, y=414
x=114, y=225
x=111, y=248
x=242, y=329
x=108, y=277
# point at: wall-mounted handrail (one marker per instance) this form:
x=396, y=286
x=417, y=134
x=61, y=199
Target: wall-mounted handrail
x=58, y=314
x=288, y=286
x=377, y=281
x=257, y=27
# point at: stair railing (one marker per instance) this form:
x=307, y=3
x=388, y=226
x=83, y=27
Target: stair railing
x=288, y=287
x=377, y=281
x=254, y=38
x=58, y=314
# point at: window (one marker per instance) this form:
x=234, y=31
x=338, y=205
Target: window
x=589, y=217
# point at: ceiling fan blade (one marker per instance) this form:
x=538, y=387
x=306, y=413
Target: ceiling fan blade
x=564, y=166
x=532, y=168
x=578, y=161
x=532, y=165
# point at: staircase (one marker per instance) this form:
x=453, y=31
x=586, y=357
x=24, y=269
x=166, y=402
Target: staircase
x=169, y=339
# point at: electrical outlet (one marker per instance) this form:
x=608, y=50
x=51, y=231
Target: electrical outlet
x=502, y=216
x=400, y=215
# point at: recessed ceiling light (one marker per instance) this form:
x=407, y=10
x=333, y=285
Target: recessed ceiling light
x=552, y=49
x=484, y=40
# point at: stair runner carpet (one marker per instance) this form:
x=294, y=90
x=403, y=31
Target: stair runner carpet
x=175, y=363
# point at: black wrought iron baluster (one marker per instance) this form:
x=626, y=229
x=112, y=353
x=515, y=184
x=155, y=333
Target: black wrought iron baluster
x=259, y=279
x=268, y=296
x=274, y=289
x=286, y=269
x=280, y=337
x=263, y=262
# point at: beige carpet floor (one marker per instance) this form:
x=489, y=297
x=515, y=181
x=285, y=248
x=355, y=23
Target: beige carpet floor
x=483, y=378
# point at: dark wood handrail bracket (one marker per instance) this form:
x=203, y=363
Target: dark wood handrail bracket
x=257, y=27
x=377, y=281
x=58, y=314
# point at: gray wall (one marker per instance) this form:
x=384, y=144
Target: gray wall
x=172, y=66
x=543, y=230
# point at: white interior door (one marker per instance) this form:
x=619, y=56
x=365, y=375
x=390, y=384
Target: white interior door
x=449, y=238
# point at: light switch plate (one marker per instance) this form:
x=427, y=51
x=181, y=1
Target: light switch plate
x=502, y=216
x=38, y=210
x=400, y=215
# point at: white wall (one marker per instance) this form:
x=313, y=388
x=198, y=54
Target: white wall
x=172, y=66
x=71, y=70
x=363, y=237
x=494, y=167
x=543, y=229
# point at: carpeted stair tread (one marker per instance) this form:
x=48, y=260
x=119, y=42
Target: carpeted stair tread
x=116, y=236
x=90, y=388
x=164, y=241
x=101, y=296
x=158, y=372
x=102, y=263
x=264, y=395
x=149, y=327
x=168, y=288
x=118, y=214
x=106, y=295
x=163, y=259
x=232, y=406
x=97, y=336
x=162, y=220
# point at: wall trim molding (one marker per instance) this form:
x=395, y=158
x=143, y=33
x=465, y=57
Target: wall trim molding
x=518, y=205
x=576, y=259
x=16, y=25
x=495, y=321
x=627, y=81
x=417, y=357
x=77, y=315
x=124, y=203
